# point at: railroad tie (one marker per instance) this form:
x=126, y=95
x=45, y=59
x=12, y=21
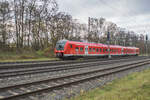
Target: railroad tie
x=46, y=85
x=39, y=88
x=12, y=92
x=25, y=89
x=32, y=97
x=1, y=97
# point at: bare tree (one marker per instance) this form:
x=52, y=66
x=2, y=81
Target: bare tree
x=5, y=16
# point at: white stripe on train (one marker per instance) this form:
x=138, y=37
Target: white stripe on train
x=66, y=55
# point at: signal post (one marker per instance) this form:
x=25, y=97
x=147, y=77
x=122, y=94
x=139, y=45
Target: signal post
x=108, y=40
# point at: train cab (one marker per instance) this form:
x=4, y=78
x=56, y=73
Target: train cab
x=60, y=48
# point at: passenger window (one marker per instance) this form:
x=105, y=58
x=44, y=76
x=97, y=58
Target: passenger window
x=93, y=49
x=100, y=50
x=77, y=49
x=106, y=50
x=103, y=50
x=70, y=45
x=97, y=50
x=110, y=50
x=81, y=49
x=90, y=49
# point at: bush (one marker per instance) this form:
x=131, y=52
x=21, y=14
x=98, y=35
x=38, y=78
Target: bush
x=26, y=53
x=27, y=57
x=47, y=52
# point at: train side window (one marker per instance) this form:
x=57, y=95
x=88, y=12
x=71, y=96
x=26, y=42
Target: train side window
x=81, y=49
x=100, y=50
x=90, y=49
x=97, y=50
x=70, y=45
x=77, y=49
x=110, y=50
x=106, y=50
x=103, y=50
x=93, y=49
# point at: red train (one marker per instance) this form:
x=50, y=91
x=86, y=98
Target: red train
x=73, y=49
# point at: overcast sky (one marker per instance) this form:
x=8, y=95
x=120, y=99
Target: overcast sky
x=130, y=14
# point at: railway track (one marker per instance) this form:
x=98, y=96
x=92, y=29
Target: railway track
x=5, y=73
x=45, y=61
x=51, y=63
x=27, y=89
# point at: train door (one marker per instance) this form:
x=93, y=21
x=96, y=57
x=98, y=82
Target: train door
x=86, y=50
x=135, y=51
x=122, y=51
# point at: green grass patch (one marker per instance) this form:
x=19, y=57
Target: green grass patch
x=26, y=55
x=37, y=59
x=135, y=86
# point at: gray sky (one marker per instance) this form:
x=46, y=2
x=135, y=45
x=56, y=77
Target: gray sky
x=130, y=14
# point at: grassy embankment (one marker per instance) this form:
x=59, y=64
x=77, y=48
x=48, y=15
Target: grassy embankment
x=26, y=55
x=132, y=87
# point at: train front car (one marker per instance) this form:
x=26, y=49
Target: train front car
x=60, y=48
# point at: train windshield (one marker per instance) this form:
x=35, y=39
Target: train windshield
x=60, y=44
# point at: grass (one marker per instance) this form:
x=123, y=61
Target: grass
x=18, y=60
x=132, y=87
x=25, y=56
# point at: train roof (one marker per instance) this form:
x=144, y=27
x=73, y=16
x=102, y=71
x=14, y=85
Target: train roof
x=94, y=44
x=132, y=47
x=98, y=44
x=86, y=43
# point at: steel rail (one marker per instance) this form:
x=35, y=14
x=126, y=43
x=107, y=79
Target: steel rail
x=30, y=71
x=42, y=64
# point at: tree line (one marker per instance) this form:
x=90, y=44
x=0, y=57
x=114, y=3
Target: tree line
x=38, y=24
